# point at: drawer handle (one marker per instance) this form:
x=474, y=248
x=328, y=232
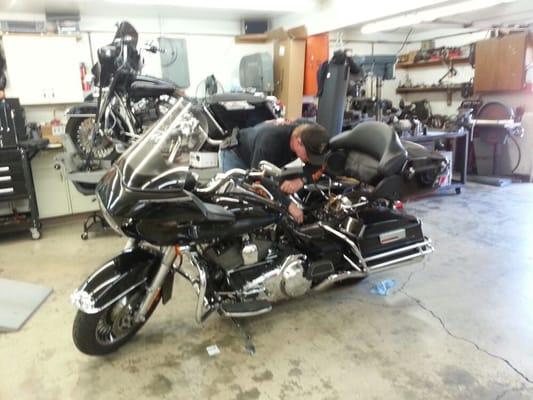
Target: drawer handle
x=4, y=169
x=7, y=190
x=5, y=178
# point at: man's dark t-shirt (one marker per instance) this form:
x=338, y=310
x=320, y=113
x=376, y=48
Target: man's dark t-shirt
x=266, y=141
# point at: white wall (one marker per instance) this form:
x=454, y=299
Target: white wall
x=210, y=46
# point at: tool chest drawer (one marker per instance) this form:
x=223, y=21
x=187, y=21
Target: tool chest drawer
x=10, y=156
x=11, y=172
x=13, y=189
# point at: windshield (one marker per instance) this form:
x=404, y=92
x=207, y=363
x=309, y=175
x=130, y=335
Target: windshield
x=157, y=160
x=126, y=31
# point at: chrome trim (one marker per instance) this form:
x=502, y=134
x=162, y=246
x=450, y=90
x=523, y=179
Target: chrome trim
x=169, y=255
x=421, y=253
x=84, y=301
x=202, y=308
x=245, y=314
x=217, y=182
x=425, y=243
x=354, y=265
x=352, y=245
x=81, y=115
x=332, y=279
x=213, y=120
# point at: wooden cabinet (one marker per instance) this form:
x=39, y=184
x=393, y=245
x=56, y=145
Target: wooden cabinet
x=316, y=52
x=501, y=63
x=42, y=69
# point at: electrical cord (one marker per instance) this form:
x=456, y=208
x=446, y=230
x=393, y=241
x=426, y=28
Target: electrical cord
x=519, y=153
x=405, y=41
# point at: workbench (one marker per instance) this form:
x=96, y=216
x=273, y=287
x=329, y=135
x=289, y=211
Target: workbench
x=459, y=149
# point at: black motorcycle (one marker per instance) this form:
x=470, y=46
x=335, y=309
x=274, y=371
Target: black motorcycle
x=243, y=250
x=127, y=102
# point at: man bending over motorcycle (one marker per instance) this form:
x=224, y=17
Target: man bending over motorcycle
x=278, y=143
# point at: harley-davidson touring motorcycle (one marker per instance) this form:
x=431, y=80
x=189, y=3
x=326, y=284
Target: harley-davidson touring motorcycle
x=127, y=101
x=233, y=240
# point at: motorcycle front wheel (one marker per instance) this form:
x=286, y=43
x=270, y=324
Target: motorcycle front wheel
x=106, y=331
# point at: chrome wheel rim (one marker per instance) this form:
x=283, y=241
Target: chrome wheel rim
x=118, y=321
x=97, y=146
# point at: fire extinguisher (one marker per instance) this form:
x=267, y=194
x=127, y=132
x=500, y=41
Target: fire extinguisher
x=83, y=75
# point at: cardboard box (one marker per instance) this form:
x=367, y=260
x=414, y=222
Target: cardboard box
x=203, y=159
x=54, y=133
x=289, y=66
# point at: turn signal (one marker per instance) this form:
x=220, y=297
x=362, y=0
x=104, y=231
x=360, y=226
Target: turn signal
x=398, y=205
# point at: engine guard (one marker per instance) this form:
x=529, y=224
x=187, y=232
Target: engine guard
x=116, y=278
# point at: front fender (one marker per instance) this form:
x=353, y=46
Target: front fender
x=114, y=279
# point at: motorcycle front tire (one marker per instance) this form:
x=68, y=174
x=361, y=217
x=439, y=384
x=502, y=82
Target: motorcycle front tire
x=93, y=333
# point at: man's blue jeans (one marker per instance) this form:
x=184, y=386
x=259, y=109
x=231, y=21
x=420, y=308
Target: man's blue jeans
x=228, y=159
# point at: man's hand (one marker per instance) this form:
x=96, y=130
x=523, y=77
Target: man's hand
x=292, y=186
x=296, y=213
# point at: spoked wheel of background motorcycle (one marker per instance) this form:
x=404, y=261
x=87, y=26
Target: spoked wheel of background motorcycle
x=106, y=331
x=80, y=131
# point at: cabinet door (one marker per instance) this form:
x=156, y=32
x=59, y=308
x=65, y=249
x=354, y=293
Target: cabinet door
x=485, y=78
x=50, y=186
x=63, y=82
x=511, y=65
x=42, y=69
x=24, y=59
x=80, y=203
x=500, y=64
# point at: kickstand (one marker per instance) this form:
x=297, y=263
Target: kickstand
x=248, y=344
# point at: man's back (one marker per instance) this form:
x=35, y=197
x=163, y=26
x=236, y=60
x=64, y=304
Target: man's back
x=266, y=141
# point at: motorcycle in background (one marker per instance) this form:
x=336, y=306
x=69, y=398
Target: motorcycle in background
x=126, y=104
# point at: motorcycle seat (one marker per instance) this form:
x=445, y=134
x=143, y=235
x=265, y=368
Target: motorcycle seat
x=372, y=151
x=144, y=86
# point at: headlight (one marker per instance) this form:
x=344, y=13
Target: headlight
x=108, y=218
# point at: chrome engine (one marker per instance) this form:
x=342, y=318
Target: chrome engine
x=284, y=282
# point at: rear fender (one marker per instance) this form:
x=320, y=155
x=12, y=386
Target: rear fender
x=117, y=277
x=84, y=110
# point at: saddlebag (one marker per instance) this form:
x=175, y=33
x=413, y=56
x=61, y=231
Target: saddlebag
x=387, y=236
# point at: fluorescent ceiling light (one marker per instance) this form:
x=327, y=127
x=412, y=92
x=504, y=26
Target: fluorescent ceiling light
x=246, y=5
x=429, y=15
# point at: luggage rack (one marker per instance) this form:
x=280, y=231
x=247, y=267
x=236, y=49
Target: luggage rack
x=402, y=254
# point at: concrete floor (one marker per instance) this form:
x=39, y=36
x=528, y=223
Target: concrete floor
x=458, y=326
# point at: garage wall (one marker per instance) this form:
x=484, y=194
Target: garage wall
x=210, y=46
x=465, y=73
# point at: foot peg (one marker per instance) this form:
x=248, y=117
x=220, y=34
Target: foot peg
x=246, y=309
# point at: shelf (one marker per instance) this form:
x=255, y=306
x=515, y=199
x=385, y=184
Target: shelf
x=448, y=89
x=252, y=38
x=434, y=63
